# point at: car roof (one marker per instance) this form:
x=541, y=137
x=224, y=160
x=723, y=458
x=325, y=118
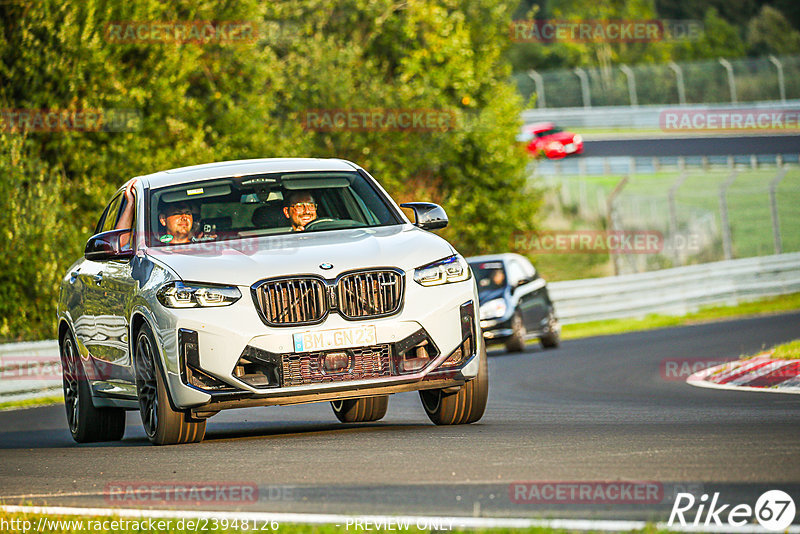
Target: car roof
x=244, y=167
x=539, y=126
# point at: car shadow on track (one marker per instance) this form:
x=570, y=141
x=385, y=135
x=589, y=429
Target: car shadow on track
x=134, y=435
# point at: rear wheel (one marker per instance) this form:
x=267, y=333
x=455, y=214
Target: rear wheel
x=516, y=343
x=162, y=424
x=464, y=407
x=87, y=424
x=360, y=410
x=552, y=338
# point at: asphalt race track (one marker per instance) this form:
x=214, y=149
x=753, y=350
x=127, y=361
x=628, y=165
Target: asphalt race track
x=595, y=409
x=695, y=146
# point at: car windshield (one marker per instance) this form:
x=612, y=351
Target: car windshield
x=490, y=275
x=551, y=131
x=264, y=204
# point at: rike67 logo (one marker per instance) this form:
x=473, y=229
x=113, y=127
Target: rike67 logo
x=774, y=510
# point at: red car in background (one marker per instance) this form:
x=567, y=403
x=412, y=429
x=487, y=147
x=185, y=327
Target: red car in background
x=544, y=137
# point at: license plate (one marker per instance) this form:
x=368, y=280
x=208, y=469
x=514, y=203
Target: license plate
x=570, y=147
x=355, y=336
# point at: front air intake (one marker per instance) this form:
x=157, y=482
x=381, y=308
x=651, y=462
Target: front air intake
x=291, y=301
x=369, y=294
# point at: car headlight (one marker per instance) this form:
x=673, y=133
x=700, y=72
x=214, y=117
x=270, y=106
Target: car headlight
x=178, y=294
x=577, y=139
x=493, y=309
x=555, y=146
x=446, y=271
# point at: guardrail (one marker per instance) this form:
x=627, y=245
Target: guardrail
x=32, y=370
x=637, y=117
x=676, y=291
x=631, y=165
x=29, y=370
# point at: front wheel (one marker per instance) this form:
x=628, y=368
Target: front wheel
x=552, y=338
x=464, y=407
x=360, y=410
x=516, y=343
x=87, y=424
x=162, y=424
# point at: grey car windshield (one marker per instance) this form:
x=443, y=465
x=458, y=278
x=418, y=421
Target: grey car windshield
x=490, y=275
x=265, y=204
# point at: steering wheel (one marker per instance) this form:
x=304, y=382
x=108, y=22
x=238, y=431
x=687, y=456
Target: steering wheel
x=313, y=223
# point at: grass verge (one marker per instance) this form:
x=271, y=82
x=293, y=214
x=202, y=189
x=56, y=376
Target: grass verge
x=783, y=303
x=30, y=403
x=784, y=351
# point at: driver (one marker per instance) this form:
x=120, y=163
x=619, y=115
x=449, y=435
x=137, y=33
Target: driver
x=300, y=209
x=179, y=222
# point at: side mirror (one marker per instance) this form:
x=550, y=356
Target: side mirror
x=109, y=245
x=427, y=215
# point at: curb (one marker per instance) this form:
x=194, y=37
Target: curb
x=759, y=373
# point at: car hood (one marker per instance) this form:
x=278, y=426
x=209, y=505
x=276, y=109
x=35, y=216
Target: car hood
x=245, y=261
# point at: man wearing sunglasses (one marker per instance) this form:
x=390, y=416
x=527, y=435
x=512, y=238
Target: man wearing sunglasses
x=300, y=209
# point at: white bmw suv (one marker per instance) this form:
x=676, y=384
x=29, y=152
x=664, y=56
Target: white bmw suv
x=265, y=282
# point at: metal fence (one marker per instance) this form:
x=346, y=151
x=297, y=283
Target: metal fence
x=707, y=208
x=711, y=81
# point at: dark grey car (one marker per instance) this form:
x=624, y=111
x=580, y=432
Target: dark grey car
x=515, y=305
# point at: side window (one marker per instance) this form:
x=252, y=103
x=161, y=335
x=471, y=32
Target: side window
x=515, y=272
x=109, y=217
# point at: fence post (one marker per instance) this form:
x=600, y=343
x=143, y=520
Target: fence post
x=679, y=80
x=731, y=82
x=727, y=246
x=613, y=220
x=781, y=83
x=673, y=214
x=631, y=84
x=773, y=203
x=586, y=92
x=539, y=82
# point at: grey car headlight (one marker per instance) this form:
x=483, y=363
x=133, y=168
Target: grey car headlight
x=179, y=294
x=493, y=309
x=446, y=271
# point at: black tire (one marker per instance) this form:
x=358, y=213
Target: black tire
x=461, y=408
x=87, y=424
x=361, y=410
x=552, y=338
x=516, y=343
x=162, y=424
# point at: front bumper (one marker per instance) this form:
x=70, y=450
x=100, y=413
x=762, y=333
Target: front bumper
x=497, y=330
x=223, y=335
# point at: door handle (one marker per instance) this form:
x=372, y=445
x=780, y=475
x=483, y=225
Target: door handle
x=98, y=278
